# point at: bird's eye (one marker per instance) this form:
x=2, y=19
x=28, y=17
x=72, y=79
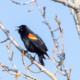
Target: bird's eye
x=21, y=29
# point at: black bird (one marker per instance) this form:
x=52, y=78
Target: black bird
x=33, y=42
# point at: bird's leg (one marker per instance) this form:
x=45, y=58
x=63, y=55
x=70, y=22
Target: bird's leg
x=25, y=51
x=34, y=56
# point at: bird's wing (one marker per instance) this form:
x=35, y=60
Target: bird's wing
x=39, y=44
x=37, y=41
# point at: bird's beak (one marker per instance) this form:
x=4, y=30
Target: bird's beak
x=17, y=29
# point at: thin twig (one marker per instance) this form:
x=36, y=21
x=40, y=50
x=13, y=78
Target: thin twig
x=29, y=65
x=23, y=3
x=9, y=56
x=9, y=71
x=62, y=57
x=59, y=37
x=4, y=40
x=24, y=62
x=27, y=68
x=61, y=34
x=56, y=70
x=12, y=55
x=31, y=7
x=54, y=30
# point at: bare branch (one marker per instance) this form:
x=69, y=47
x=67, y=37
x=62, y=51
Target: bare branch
x=29, y=65
x=9, y=69
x=24, y=62
x=59, y=72
x=55, y=41
x=27, y=68
x=75, y=8
x=59, y=36
x=61, y=55
x=28, y=77
x=4, y=40
x=69, y=4
x=23, y=3
x=54, y=30
x=31, y=7
x=76, y=21
x=12, y=55
x=70, y=72
x=9, y=55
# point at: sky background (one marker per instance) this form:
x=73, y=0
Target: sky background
x=12, y=15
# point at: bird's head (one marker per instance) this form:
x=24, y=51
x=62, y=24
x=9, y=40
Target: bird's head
x=22, y=29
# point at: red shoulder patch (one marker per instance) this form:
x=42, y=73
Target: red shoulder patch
x=31, y=36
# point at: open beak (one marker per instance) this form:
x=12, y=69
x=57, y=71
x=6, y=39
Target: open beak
x=17, y=29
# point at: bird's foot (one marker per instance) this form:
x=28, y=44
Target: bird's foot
x=25, y=51
x=34, y=58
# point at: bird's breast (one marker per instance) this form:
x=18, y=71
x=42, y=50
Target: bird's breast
x=26, y=42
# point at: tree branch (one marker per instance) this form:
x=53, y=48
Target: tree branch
x=4, y=40
x=69, y=4
x=14, y=70
x=76, y=21
x=55, y=41
x=75, y=6
x=23, y=3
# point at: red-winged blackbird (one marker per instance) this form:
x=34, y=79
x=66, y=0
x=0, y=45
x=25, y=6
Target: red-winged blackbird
x=33, y=42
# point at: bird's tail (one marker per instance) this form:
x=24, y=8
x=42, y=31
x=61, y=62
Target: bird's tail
x=41, y=56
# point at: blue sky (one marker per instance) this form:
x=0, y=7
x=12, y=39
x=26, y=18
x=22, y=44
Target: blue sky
x=12, y=15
